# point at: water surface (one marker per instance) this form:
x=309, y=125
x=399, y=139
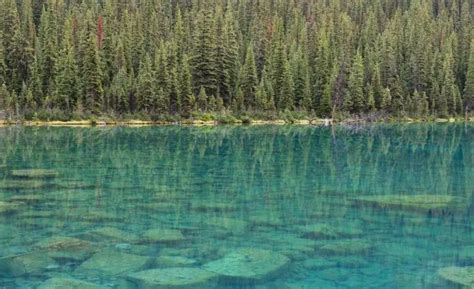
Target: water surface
x=183, y=197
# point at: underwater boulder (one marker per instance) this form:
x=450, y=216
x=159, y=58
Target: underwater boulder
x=62, y=242
x=248, y=265
x=173, y=261
x=416, y=203
x=458, y=275
x=65, y=249
x=229, y=224
x=350, y=246
x=162, y=236
x=27, y=264
x=9, y=207
x=173, y=278
x=112, y=263
x=327, y=231
x=112, y=234
x=34, y=173
x=69, y=283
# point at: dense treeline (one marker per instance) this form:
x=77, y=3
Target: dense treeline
x=72, y=58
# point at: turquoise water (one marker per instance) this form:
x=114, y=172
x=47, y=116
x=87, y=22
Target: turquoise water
x=246, y=207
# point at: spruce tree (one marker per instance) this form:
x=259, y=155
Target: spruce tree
x=354, y=100
x=147, y=100
x=249, y=81
x=188, y=101
x=204, y=53
x=202, y=100
x=287, y=89
x=469, y=86
x=66, y=68
x=91, y=82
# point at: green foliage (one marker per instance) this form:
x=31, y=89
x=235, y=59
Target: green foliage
x=78, y=58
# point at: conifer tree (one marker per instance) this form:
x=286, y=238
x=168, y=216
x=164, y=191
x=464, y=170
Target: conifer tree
x=469, y=87
x=188, y=101
x=146, y=93
x=354, y=100
x=287, y=96
x=249, y=80
x=66, y=68
x=204, y=53
x=202, y=99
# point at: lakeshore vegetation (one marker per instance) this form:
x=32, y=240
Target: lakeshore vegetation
x=155, y=59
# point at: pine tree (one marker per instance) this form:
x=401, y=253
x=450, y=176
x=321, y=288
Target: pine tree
x=91, y=82
x=188, y=101
x=238, y=101
x=469, y=87
x=146, y=93
x=66, y=68
x=202, y=100
x=287, y=96
x=354, y=100
x=249, y=81
x=204, y=53
x=119, y=92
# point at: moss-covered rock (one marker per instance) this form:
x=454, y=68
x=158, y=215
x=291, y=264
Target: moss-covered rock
x=112, y=263
x=34, y=173
x=248, y=265
x=27, y=264
x=459, y=275
x=173, y=278
x=350, y=246
x=419, y=203
x=162, y=236
x=69, y=283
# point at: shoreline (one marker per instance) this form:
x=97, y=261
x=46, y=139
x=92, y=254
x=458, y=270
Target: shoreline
x=138, y=123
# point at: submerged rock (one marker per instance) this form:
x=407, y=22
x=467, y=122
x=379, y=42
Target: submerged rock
x=162, y=236
x=112, y=263
x=230, y=224
x=9, y=207
x=213, y=207
x=27, y=199
x=248, y=265
x=65, y=249
x=112, y=234
x=34, y=173
x=174, y=261
x=62, y=242
x=459, y=275
x=28, y=264
x=346, y=247
x=318, y=263
x=182, y=278
x=326, y=231
x=422, y=203
x=69, y=283
x=23, y=184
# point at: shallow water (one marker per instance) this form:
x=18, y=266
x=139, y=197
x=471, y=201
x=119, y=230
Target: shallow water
x=301, y=193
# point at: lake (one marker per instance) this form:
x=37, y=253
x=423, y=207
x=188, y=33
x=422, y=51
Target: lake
x=292, y=207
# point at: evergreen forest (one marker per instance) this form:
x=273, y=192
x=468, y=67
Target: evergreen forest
x=154, y=59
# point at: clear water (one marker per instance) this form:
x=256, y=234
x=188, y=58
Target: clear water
x=225, y=188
